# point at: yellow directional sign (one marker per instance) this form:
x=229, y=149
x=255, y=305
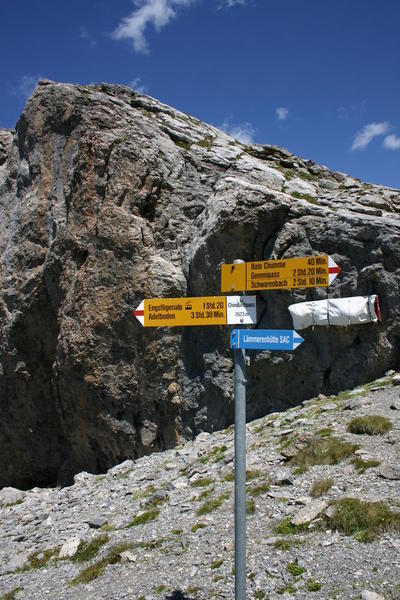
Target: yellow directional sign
x=206, y=310
x=285, y=273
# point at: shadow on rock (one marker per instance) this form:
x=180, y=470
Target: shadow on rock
x=177, y=595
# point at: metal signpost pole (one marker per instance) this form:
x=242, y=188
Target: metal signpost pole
x=240, y=473
x=239, y=357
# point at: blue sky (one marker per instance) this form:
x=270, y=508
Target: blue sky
x=319, y=77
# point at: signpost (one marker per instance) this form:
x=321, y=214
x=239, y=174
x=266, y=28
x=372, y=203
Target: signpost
x=265, y=339
x=281, y=274
x=206, y=310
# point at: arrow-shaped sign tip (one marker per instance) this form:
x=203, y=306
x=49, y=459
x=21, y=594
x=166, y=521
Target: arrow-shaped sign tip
x=333, y=268
x=139, y=312
x=297, y=340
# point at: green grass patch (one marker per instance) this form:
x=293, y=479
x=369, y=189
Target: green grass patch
x=288, y=173
x=363, y=520
x=313, y=586
x=285, y=527
x=206, y=493
x=39, y=559
x=306, y=176
x=145, y=112
x=259, y=595
x=320, y=487
x=145, y=517
x=216, y=564
x=370, y=425
x=323, y=451
x=286, y=544
x=151, y=544
x=160, y=589
x=259, y=429
x=307, y=197
x=250, y=507
x=204, y=482
x=16, y=503
x=88, y=550
x=207, y=142
x=325, y=432
x=363, y=465
x=288, y=441
x=364, y=390
x=216, y=455
x=192, y=590
x=252, y=474
x=157, y=501
x=211, y=505
x=140, y=494
x=300, y=470
x=229, y=477
x=287, y=589
x=379, y=383
x=257, y=490
x=182, y=144
x=295, y=569
x=198, y=526
x=11, y=595
x=97, y=569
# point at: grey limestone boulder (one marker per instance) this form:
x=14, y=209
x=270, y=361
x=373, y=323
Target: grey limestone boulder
x=10, y=495
x=368, y=595
x=389, y=471
x=357, y=403
x=108, y=197
x=69, y=548
x=396, y=379
x=309, y=512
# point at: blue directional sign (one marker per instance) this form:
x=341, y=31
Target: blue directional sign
x=265, y=339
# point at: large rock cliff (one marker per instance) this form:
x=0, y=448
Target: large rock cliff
x=108, y=197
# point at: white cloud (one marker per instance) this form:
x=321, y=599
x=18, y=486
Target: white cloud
x=282, y=113
x=155, y=12
x=243, y=132
x=368, y=133
x=152, y=12
x=25, y=86
x=137, y=86
x=85, y=35
x=345, y=112
x=392, y=142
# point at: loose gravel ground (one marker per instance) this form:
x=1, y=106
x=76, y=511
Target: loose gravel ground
x=167, y=520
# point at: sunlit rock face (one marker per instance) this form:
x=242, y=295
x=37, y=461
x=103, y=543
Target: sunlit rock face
x=108, y=197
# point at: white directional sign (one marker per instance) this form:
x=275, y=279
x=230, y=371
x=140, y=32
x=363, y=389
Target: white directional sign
x=206, y=310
